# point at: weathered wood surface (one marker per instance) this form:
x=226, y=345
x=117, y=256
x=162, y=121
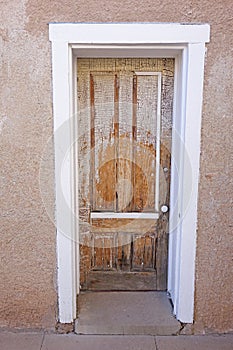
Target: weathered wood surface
x=120, y=281
x=117, y=169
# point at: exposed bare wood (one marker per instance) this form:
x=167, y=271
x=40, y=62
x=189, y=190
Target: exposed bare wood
x=118, y=101
x=125, y=191
x=123, y=252
x=123, y=225
x=104, y=172
x=108, y=280
x=161, y=253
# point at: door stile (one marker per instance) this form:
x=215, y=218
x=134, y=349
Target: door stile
x=134, y=137
x=92, y=153
x=158, y=137
x=116, y=134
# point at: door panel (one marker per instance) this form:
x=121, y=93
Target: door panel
x=145, y=92
x=103, y=167
x=125, y=118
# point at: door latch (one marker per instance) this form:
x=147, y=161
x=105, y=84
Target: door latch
x=164, y=208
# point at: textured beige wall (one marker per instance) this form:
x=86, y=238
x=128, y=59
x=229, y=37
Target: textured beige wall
x=28, y=257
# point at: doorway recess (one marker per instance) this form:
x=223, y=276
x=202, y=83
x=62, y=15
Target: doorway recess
x=185, y=43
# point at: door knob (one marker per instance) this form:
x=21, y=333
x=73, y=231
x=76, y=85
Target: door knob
x=164, y=208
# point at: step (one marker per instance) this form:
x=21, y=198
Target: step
x=128, y=313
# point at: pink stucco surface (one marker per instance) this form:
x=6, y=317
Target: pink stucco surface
x=28, y=290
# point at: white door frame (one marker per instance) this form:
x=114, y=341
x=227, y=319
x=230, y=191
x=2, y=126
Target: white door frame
x=187, y=44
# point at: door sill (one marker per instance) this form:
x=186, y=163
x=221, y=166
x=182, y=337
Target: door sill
x=125, y=313
x=121, y=281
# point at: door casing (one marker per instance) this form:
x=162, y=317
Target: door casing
x=186, y=43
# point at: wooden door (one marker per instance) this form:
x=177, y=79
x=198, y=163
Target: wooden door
x=125, y=124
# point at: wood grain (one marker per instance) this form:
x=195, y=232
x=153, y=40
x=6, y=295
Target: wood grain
x=120, y=281
x=117, y=171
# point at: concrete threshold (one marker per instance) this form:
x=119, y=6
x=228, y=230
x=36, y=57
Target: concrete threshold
x=125, y=313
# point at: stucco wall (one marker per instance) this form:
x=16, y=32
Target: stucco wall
x=28, y=295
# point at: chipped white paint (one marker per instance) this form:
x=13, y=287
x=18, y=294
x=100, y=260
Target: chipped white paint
x=133, y=215
x=186, y=44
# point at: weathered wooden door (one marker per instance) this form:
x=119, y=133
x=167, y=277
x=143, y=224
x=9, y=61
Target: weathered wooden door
x=125, y=124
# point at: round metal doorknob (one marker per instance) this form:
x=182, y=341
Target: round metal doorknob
x=164, y=208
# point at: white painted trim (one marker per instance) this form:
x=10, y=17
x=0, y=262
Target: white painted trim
x=63, y=183
x=158, y=132
x=176, y=183
x=192, y=133
x=137, y=51
x=149, y=73
x=186, y=43
x=133, y=215
x=122, y=33
x=74, y=178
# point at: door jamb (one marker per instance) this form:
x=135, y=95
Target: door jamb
x=187, y=44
